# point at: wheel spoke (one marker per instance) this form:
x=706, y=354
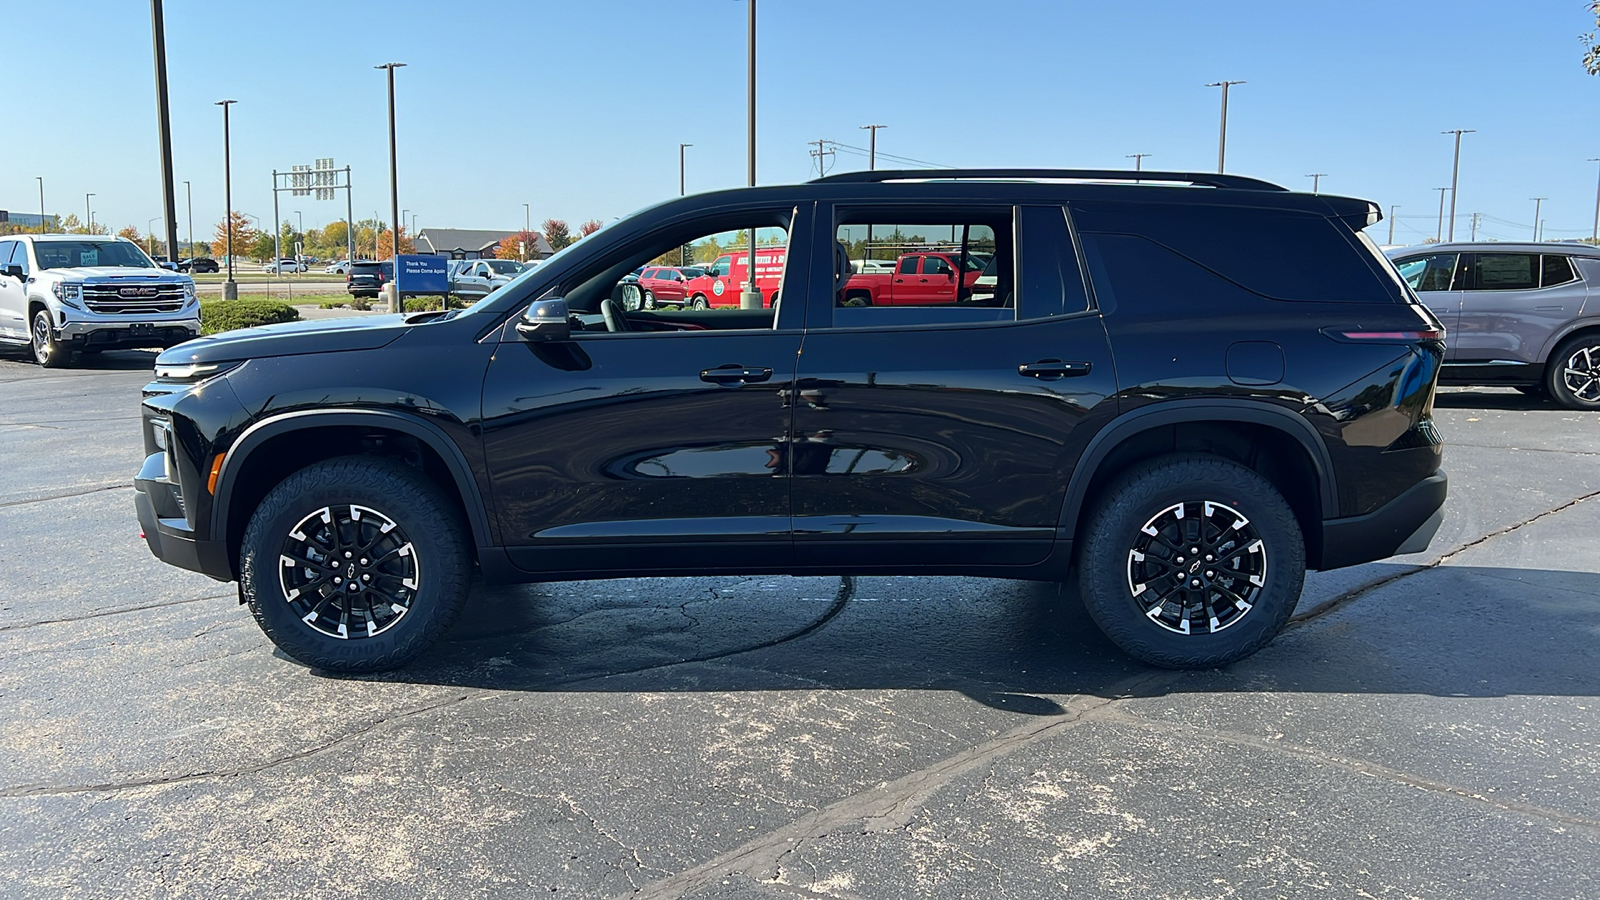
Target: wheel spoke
x=370, y=591
x=1207, y=582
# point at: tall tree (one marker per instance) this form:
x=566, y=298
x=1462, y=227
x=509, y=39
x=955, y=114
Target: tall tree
x=333, y=239
x=244, y=237
x=556, y=233
x=590, y=227
x=522, y=245
x=1591, y=42
x=386, y=243
x=131, y=233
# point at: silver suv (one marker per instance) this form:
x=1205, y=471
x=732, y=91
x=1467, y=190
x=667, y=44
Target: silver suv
x=1521, y=315
x=66, y=293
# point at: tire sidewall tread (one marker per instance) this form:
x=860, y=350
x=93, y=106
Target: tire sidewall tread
x=1555, y=385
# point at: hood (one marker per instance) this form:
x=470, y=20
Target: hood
x=120, y=273
x=290, y=339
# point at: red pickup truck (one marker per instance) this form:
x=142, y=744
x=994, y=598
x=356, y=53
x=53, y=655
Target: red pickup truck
x=918, y=279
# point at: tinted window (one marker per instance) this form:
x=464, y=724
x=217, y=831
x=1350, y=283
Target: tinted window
x=908, y=266
x=1138, y=278
x=1556, y=270
x=1428, y=273
x=1051, y=281
x=945, y=246
x=1281, y=254
x=1505, y=272
x=935, y=265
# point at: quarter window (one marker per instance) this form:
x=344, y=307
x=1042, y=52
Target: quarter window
x=1555, y=270
x=1505, y=272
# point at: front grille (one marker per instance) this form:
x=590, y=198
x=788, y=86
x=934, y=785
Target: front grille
x=133, y=299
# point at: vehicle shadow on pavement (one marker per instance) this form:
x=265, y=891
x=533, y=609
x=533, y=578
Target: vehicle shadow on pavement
x=1493, y=399
x=1456, y=631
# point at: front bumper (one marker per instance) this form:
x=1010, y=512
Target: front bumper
x=102, y=334
x=1405, y=524
x=158, y=502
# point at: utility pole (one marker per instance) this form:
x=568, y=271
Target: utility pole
x=1138, y=160
x=821, y=156
x=41, y=203
x=1475, y=217
x=169, y=200
x=872, y=145
x=527, y=217
x=1455, y=172
x=1537, y=202
x=1316, y=180
x=1439, y=238
x=1222, y=138
x=396, y=304
x=681, y=183
x=230, y=289
x=1595, y=239
x=88, y=214
x=750, y=297
x=188, y=197
x=1392, y=208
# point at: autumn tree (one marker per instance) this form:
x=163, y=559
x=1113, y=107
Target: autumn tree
x=244, y=236
x=590, y=227
x=333, y=242
x=522, y=245
x=131, y=233
x=556, y=233
x=386, y=243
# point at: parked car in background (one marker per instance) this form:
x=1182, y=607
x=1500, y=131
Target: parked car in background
x=337, y=267
x=917, y=279
x=474, y=279
x=666, y=285
x=199, y=264
x=1522, y=315
x=367, y=277
x=63, y=294
x=286, y=265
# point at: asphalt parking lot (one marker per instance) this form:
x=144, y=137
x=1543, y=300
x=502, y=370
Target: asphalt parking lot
x=1428, y=726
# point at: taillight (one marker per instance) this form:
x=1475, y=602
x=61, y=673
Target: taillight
x=1385, y=337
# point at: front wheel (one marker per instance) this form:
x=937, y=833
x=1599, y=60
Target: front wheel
x=1573, y=376
x=649, y=300
x=355, y=564
x=47, y=351
x=1191, y=561
x=700, y=302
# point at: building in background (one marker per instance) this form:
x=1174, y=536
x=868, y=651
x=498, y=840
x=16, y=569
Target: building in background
x=29, y=220
x=468, y=243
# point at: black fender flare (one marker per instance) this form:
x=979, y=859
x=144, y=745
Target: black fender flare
x=426, y=432
x=1199, y=410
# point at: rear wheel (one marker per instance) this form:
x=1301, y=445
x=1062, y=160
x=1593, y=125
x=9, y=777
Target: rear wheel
x=1573, y=373
x=700, y=302
x=47, y=351
x=649, y=301
x=1191, y=561
x=354, y=564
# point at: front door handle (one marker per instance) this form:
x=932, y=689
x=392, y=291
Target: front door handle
x=733, y=373
x=1054, y=368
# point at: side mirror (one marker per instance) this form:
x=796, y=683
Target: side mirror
x=14, y=272
x=169, y=266
x=545, y=320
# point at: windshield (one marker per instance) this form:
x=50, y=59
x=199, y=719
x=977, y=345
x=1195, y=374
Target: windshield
x=79, y=254
x=504, y=266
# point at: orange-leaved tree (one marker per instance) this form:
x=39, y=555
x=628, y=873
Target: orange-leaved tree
x=386, y=243
x=522, y=245
x=589, y=227
x=556, y=233
x=244, y=236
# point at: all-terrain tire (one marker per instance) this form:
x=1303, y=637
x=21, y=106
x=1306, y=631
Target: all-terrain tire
x=1251, y=553
x=420, y=563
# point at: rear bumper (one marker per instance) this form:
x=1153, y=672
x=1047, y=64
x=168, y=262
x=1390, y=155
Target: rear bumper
x=1405, y=524
x=159, y=506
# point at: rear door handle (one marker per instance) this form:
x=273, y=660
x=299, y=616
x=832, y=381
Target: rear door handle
x=1054, y=368
x=733, y=373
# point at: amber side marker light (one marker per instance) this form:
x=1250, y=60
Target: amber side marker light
x=216, y=467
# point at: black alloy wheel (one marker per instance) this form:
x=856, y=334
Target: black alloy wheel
x=355, y=564
x=1191, y=561
x=1573, y=379
x=47, y=351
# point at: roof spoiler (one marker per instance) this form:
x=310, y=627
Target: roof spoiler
x=1358, y=214
x=1200, y=179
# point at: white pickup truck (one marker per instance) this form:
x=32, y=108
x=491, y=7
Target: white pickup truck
x=67, y=293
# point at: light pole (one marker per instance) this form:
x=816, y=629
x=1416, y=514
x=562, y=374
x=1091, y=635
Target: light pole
x=1392, y=208
x=1455, y=172
x=1437, y=238
x=169, y=200
x=1138, y=160
x=1537, y=202
x=41, y=203
x=750, y=297
x=188, y=198
x=88, y=214
x=394, y=183
x=1595, y=239
x=681, y=182
x=527, y=218
x=150, y=236
x=1222, y=138
x=230, y=288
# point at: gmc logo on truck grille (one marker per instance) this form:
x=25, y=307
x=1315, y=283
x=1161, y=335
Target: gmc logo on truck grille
x=138, y=292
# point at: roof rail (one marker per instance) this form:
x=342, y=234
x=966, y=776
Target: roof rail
x=1205, y=179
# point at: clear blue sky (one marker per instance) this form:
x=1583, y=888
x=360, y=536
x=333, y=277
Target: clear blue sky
x=577, y=108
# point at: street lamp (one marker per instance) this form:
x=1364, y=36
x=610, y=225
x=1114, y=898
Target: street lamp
x=1455, y=171
x=230, y=289
x=1438, y=237
x=41, y=203
x=1392, y=208
x=681, y=148
x=150, y=236
x=1222, y=138
x=527, y=215
x=1537, y=202
x=1316, y=180
x=394, y=183
x=189, y=199
x=88, y=214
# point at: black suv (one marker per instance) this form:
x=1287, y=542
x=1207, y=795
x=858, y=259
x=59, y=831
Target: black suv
x=1185, y=388
x=366, y=277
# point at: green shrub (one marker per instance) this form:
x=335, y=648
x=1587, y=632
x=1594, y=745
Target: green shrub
x=226, y=315
x=429, y=302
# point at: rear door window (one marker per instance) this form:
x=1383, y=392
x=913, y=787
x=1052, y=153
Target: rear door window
x=1555, y=270
x=1428, y=273
x=1504, y=272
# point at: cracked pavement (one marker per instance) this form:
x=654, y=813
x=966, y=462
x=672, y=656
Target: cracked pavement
x=1426, y=727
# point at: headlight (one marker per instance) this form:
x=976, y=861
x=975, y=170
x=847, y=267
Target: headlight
x=188, y=290
x=68, y=292
x=189, y=373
